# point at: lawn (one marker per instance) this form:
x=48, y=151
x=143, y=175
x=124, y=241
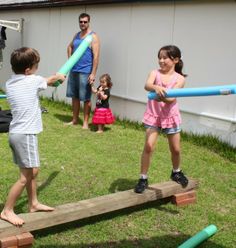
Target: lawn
x=79, y=164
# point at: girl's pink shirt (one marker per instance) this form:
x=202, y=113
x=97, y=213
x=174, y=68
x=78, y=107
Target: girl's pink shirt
x=160, y=114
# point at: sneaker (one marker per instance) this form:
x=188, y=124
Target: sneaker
x=180, y=178
x=141, y=186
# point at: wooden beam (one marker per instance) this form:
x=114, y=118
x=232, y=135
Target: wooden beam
x=92, y=207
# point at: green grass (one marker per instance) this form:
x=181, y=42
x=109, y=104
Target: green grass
x=79, y=164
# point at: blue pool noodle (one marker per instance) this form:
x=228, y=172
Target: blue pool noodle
x=3, y=96
x=198, y=238
x=204, y=91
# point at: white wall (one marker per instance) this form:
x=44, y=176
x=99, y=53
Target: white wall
x=131, y=35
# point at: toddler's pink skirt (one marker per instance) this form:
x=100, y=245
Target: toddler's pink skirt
x=103, y=116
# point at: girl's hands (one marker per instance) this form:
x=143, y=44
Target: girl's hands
x=100, y=93
x=161, y=92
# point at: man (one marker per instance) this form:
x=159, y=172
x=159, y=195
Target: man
x=83, y=73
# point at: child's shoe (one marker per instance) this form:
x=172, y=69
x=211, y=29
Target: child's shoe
x=180, y=178
x=141, y=186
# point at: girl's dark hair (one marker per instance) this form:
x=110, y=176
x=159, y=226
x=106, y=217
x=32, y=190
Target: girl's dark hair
x=24, y=58
x=174, y=52
x=106, y=77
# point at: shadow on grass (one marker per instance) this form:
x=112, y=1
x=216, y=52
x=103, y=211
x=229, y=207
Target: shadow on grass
x=93, y=128
x=166, y=241
x=66, y=118
x=48, y=181
x=122, y=184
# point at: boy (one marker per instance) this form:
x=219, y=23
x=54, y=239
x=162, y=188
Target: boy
x=22, y=93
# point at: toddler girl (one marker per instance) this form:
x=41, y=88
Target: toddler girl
x=102, y=113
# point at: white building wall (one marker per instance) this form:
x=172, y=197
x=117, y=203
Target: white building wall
x=131, y=35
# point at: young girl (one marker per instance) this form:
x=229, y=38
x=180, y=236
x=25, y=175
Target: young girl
x=102, y=113
x=163, y=115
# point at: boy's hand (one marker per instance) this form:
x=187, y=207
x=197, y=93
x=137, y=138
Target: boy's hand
x=61, y=77
x=56, y=79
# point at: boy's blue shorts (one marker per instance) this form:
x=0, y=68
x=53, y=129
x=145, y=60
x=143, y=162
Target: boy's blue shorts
x=172, y=130
x=78, y=86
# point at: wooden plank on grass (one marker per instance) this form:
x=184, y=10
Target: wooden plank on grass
x=92, y=207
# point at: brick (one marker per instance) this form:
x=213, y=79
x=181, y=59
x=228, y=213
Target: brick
x=25, y=239
x=186, y=201
x=8, y=242
x=183, y=196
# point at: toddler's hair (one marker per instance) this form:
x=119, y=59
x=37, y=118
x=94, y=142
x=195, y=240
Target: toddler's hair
x=174, y=52
x=106, y=78
x=24, y=58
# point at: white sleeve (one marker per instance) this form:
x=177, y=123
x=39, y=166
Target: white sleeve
x=41, y=83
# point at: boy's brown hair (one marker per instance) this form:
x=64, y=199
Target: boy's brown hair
x=24, y=58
